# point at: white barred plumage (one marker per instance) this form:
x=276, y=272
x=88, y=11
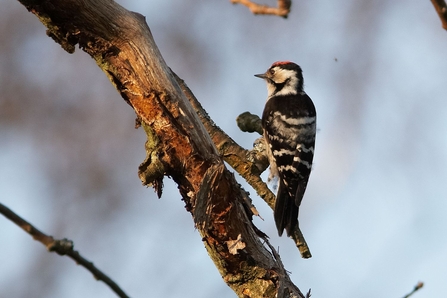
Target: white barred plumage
x=289, y=125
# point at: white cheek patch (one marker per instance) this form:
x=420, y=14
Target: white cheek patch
x=282, y=75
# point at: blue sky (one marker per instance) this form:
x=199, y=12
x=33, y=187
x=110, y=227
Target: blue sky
x=375, y=210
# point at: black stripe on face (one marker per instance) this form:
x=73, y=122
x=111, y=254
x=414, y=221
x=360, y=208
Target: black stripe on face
x=279, y=86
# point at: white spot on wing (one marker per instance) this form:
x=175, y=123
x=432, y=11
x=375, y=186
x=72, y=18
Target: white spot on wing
x=299, y=160
x=302, y=148
x=287, y=168
x=295, y=121
x=282, y=152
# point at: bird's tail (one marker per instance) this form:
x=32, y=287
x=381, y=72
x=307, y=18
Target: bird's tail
x=286, y=211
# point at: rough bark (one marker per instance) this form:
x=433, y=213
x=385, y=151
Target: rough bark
x=178, y=145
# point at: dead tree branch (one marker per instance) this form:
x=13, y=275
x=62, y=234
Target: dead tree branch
x=178, y=145
x=282, y=10
x=63, y=247
x=441, y=9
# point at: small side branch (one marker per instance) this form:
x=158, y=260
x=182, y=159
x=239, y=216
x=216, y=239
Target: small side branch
x=416, y=288
x=61, y=247
x=282, y=10
x=441, y=9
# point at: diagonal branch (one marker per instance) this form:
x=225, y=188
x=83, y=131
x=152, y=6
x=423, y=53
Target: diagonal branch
x=282, y=10
x=63, y=247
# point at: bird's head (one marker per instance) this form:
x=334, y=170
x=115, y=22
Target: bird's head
x=283, y=78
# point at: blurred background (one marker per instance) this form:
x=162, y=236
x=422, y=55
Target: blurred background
x=374, y=213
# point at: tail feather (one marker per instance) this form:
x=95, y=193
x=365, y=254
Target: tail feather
x=301, y=188
x=286, y=211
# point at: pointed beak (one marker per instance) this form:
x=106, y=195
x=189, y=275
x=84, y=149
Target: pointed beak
x=262, y=76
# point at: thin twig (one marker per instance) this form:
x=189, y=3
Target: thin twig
x=282, y=10
x=416, y=288
x=441, y=9
x=61, y=247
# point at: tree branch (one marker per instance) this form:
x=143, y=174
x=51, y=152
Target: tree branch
x=441, y=9
x=282, y=10
x=415, y=289
x=178, y=144
x=61, y=247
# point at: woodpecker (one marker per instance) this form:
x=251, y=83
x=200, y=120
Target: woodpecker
x=289, y=127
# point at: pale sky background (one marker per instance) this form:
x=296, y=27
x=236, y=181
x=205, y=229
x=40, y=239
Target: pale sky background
x=374, y=214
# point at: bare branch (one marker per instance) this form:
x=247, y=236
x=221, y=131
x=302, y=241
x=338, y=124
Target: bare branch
x=416, y=288
x=441, y=9
x=61, y=247
x=282, y=10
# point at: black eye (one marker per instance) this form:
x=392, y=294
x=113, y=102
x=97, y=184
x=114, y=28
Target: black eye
x=272, y=71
